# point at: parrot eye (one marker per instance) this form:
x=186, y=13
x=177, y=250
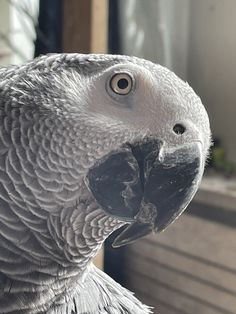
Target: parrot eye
x=179, y=129
x=121, y=83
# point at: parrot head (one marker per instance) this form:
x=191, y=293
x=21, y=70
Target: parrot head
x=153, y=135
x=122, y=132
x=89, y=143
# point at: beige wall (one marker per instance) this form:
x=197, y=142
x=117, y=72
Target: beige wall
x=156, y=30
x=4, y=29
x=212, y=64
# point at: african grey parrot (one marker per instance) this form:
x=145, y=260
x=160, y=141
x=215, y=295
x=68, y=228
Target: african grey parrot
x=89, y=143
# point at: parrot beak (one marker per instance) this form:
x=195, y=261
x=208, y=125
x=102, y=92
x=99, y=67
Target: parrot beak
x=146, y=185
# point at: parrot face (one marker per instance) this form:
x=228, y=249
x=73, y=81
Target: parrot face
x=146, y=134
x=162, y=135
x=120, y=132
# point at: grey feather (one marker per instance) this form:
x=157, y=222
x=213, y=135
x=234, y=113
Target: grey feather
x=98, y=293
x=56, y=121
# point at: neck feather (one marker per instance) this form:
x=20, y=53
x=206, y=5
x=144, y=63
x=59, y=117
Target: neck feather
x=67, y=245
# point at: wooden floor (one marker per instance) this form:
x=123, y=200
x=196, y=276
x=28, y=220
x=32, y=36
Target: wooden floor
x=188, y=269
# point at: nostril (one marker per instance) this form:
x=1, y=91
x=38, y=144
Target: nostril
x=179, y=129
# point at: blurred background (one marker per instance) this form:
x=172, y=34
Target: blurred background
x=190, y=268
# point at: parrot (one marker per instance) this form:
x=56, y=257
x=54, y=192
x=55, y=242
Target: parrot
x=89, y=143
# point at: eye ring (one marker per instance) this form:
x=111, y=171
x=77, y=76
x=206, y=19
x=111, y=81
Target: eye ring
x=121, y=83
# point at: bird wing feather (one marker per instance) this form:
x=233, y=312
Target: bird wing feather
x=100, y=294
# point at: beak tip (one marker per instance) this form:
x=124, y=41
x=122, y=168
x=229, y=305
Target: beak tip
x=116, y=244
x=133, y=232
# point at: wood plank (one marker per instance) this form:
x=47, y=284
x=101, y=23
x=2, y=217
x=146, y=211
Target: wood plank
x=158, y=306
x=181, y=301
x=76, y=26
x=99, y=27
x=85, y=26
x=205, y=294
x=188, y=267
x=209, y=240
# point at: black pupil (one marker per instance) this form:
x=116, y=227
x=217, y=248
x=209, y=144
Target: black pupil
x=123, y=83
x=179, y=129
